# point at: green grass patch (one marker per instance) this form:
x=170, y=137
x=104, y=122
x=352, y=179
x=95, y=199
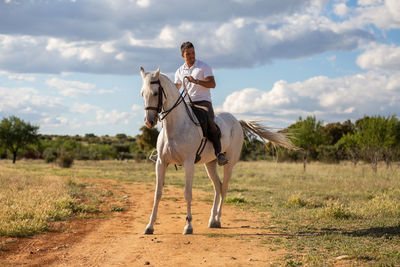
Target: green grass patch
x=117, y=209
x=175, y=199
x=214, y=235
x=235, y=200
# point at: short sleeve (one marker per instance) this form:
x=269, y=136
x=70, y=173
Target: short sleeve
x=177, y=79
x=207, y=71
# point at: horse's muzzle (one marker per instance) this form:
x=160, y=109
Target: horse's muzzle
x=149, y=124
x=150, y=121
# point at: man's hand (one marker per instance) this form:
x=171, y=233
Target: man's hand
x=191, y=79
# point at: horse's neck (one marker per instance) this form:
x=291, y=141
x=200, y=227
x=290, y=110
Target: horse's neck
x=177, y=120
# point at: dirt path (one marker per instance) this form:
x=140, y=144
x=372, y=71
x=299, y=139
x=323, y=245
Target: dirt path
x=118, y=240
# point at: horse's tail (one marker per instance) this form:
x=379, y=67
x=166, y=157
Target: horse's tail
x=256, y=128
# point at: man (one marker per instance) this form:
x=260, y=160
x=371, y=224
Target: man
x=201, y=79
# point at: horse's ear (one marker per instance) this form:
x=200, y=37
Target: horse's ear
x=157, y=73
x=142, y=72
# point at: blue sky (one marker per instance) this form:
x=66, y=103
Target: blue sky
x=72, y=66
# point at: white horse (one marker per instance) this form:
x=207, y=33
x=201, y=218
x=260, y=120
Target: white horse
x=180, y=138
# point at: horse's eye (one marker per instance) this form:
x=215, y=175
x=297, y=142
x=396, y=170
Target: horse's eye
x=155, y=94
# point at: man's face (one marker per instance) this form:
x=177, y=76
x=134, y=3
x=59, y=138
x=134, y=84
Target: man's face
x=189, y=56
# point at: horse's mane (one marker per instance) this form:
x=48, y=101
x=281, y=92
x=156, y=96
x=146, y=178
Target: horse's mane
x=168, y=83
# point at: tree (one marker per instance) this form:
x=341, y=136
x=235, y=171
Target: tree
x=253, y=149
x=308, y=135
x=377, y=137
x=122, y=150
x=349, y=145
x=121, y=137
x=148, y=139
x=335, y=131
x=16, y=134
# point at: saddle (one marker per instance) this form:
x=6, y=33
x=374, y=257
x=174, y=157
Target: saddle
x=202, y=117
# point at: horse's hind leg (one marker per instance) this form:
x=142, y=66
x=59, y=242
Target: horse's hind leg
x=160, y=173
x=211, y=168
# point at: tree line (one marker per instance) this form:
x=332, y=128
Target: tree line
x=20, y=139
x=371, y=139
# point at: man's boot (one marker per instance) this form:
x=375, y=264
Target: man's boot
x=222, y=160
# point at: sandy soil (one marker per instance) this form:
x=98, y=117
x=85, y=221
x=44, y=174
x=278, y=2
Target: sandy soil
x=117, y=240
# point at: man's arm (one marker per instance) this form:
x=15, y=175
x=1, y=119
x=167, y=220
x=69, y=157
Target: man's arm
x=208, y=82
x=178, y=85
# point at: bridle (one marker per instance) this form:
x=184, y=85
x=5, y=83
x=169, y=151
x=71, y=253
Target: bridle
x=180, y=99
x=159, y=107
x=161, y=92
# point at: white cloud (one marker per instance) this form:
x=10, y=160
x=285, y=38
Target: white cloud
x=103, y=117
x=349, y=97
x=369, y=2
x=28, y=103
x=143, y=3
x=394, y=8
x=135, y=108
x=112, y=117
x=380, y=57
x=341, y=9
x=382, y=15
x=83, y=108
x=116, y=37
x=83, y=50
x=70, y=88
x=18, y=76
x=107, y=91
x=21, y=77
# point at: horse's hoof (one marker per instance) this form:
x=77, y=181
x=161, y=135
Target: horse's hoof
x=148, y=231
x=188, y=231
x=214, y=225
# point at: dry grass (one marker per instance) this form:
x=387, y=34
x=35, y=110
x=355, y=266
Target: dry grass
x=29, y=202
x=34, y=194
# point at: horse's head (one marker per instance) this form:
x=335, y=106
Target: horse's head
x=152, y=95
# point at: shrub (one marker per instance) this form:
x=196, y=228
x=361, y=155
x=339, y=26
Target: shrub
x=66, y=160
x=337, y=211
x=50, y=154
x=296, y=201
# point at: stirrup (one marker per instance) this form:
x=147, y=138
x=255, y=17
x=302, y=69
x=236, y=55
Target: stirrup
x=222, y=160
x=153, y=156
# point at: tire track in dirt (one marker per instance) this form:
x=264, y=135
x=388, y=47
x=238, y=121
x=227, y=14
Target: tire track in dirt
x=118, y=241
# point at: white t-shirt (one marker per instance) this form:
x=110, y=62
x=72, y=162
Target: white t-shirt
x=200, y=71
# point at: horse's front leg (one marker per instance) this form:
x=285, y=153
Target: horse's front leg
x=160, y=174
x=211, y=168
x=189, y=172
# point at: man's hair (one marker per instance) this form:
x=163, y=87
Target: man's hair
x=185, y=46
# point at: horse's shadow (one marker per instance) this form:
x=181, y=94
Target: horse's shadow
x=378, y=232
x=385, y=231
